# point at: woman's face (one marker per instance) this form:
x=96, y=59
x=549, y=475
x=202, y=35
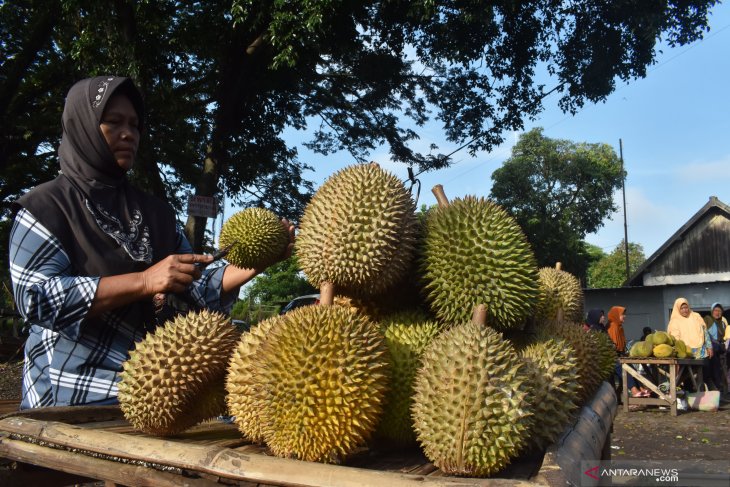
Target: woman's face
x=120, y=127
x=684, y=310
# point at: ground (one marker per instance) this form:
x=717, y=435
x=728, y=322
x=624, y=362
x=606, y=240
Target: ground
x=653, y=434
x=11, y=374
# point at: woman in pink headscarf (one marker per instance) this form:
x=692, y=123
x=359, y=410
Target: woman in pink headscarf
x=688, y=326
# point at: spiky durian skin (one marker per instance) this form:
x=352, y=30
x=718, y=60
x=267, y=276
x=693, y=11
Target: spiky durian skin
x=245, y=396
x=559, y=290
x=325, y=376
x=471, y=409
x=475, y=253
x=170, y=381
x=554, y=387
x=257, y=235
x=406, y=335
x=358, y=231
x=582, y=344
x=605, y=354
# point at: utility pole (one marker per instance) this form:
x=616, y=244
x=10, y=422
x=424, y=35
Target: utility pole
x=626, y=226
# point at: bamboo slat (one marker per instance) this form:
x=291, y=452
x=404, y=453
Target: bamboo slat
x=225, y=462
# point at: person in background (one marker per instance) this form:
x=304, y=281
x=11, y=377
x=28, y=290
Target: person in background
x=689, y=327
x=596, y=320
x=716, y=328
x=645, y=332
x=616, y=317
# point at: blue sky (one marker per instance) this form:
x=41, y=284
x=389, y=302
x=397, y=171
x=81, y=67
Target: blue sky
x=675, y=127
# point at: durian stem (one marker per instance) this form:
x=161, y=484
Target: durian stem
x=438, y=192
x=326, y=293
x=479, y=317
x=558, y=266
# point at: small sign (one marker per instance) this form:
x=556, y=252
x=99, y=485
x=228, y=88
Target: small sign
x=202, y=206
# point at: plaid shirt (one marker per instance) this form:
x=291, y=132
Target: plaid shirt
x=70, y=360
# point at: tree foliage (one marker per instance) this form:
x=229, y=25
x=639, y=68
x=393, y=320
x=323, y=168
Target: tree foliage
x=224, y=80
x=558, y=191
x=610, y=271
x=278, y=284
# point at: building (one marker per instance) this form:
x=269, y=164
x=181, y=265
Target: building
x=694, y=263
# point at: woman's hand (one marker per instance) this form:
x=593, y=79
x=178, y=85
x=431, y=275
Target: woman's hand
x=173, y=274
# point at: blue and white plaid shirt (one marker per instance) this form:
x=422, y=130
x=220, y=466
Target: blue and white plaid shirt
x=68, y=360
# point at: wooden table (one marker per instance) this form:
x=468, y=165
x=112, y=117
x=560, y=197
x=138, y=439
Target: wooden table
x=97, y=443
x=673, y=369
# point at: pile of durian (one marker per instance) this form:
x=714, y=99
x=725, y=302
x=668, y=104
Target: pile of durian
x=437, y=331
x=660, y=344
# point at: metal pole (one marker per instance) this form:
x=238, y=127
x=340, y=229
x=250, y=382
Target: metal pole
x=626, y=226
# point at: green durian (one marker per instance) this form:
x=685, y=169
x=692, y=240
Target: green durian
x=174, y=377
x=681, y=348
x=554, y=389
x=324, y=374
x=663, y=351
x=560, y=294
x=605, y=353
x=406, y=335
x=257, y=237
x=649, y=339
x=583, y=345
x=358, y=232
x=641, y=349
x=471, y=410
x=660, y=338
x=475, y=253
x=244, y=394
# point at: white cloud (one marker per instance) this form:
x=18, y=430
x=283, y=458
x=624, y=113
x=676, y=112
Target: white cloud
x=704, y=171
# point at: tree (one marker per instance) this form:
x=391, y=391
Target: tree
x=278, y=284
x=610, y=271
x=223, y=80
x=558, y=191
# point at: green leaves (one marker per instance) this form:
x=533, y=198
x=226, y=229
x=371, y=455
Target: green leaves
x=558, y=191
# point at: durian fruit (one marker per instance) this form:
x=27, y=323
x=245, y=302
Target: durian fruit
x=358, y=231
x=560, y=294
x=245, y=394
x=660, y=338
x=475, y=253
x=663, y=350
x=325, y=375
x=174, y=377
x=681, y=348
x=257, y=237
x=649, y=339
x=641, y=349
x=553, y=368
x=605, y=354
x=406, y=335
x=471, y=410
x=583, y=345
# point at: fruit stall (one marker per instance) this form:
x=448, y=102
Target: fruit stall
x=671, y=370
x=98, y=443
x=439, y=354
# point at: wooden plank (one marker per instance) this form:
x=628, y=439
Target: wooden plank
x=70, y=414
x=78, y=464
x=9, y=406
x=225, y=462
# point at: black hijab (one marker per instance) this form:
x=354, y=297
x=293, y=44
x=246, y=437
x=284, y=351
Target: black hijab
x=106, y=226
x=594, y=320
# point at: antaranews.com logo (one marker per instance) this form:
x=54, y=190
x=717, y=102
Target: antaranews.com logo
x=656, y=473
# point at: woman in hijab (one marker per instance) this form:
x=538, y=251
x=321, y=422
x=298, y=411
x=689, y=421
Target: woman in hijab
x=595, y=320
x=616, y=316
x=89, y=252
x=689, y=327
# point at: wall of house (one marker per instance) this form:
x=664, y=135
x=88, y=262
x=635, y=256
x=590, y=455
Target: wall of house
x=652, y=305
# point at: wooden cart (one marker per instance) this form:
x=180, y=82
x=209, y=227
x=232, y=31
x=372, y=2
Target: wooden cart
x=97, y=443
x=677, y=369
